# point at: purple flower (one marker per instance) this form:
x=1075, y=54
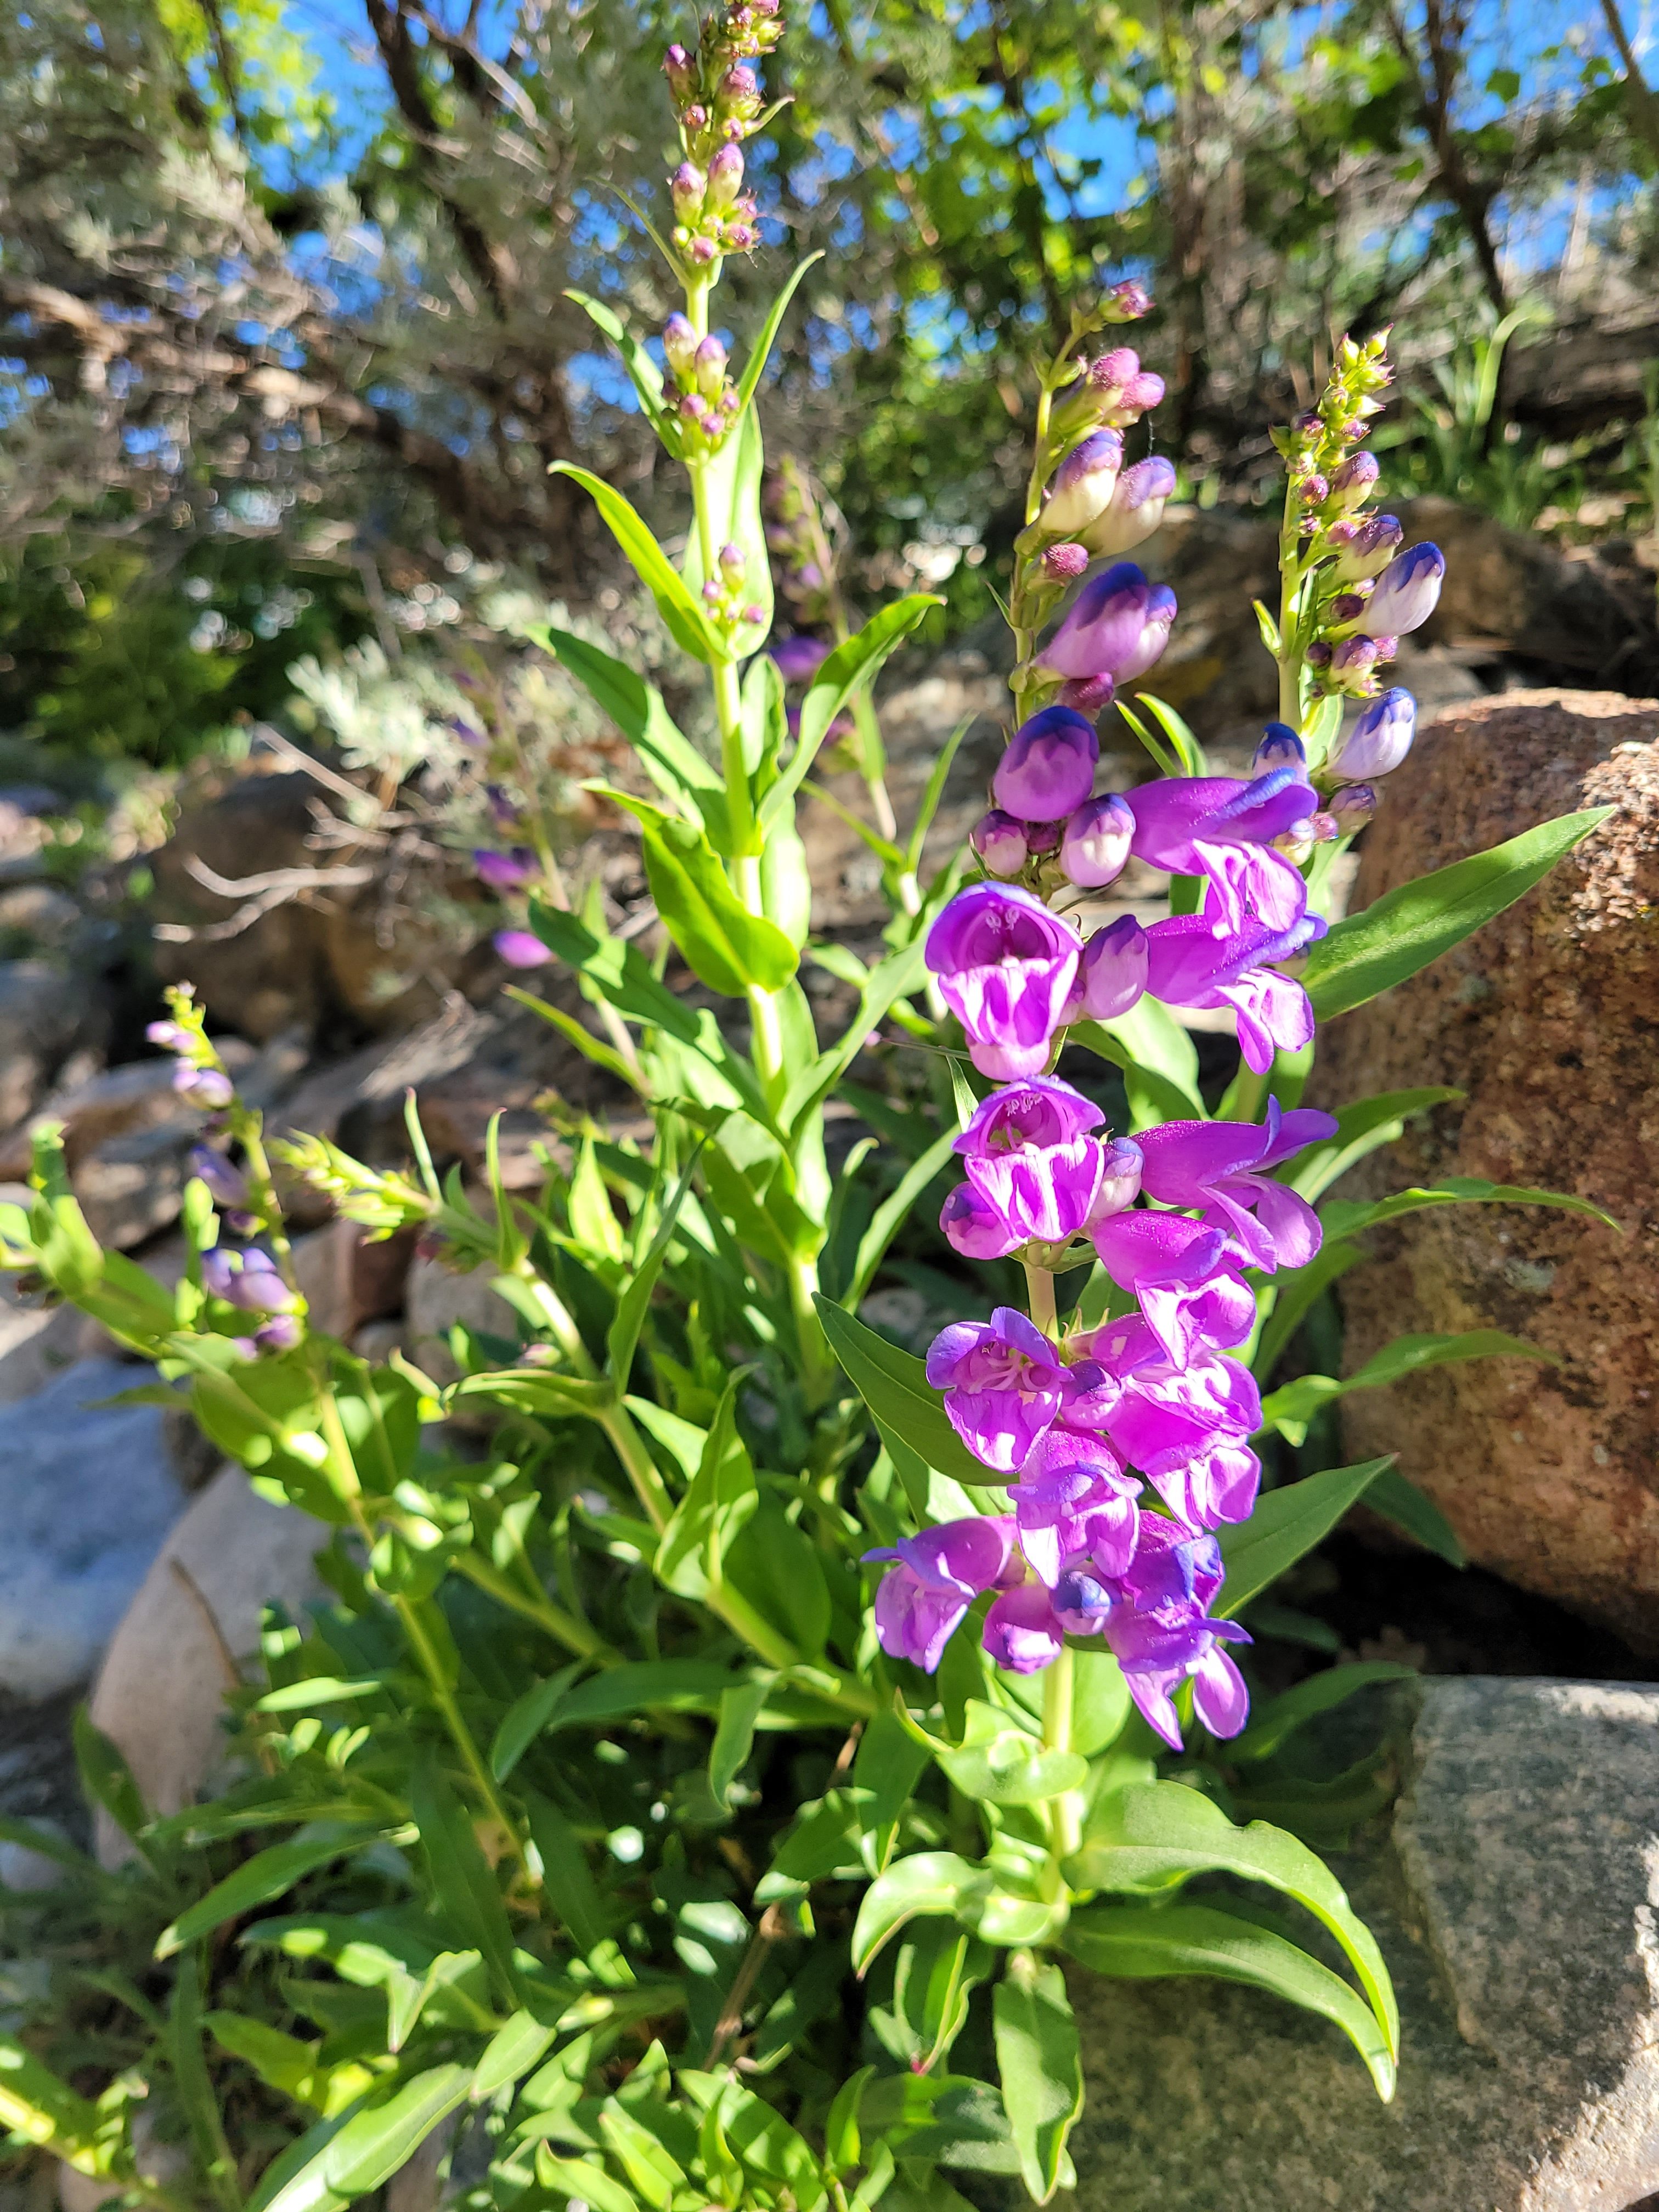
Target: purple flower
x=280, y=1334
x=1184, y=1275
x=1221, y=827
x=226, y=1185
x=1000, y=842
x=1158, y=1628
x=521, y=948
x=1001, y=1381
x=247, y=1280
x=210, y=1087
x=1073, y=1502
x=974, y=1227
x=1407, y=592
x=1213, y=1486
x=1005, y=966
x=799, y=658
x=1350, y=809
x=1023, y=1631
x=1112, y=973
x=1170, y=1422
x=504, y=872
x=1222, y=1168
x=1355, y=481
x=1048, y=769
x=1082, y=486
x=1136, y=508
x=1280, y=747
x=1189, y=965
x=1117, y=626
x=1034, y=1173
x=1095, y=848
x=173, y=1036
x=1364, y=549
x=1379, y=740
x=938, y=1574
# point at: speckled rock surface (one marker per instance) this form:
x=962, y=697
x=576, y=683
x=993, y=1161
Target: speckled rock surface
x=1515, y=1905
x=1548, y=1017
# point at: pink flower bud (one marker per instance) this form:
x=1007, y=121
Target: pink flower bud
x=1083, y=485
x=1355, y=481
x=680, y=72
x=686, y=188
x=725, y=177
x=1126, y=302
x=1063, y=563
x=1094, y=851
x=519, y=948
x=679, y=346
x=1000, y=842
x=709, y=365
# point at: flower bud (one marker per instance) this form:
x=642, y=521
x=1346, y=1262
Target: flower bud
x=1118, y=625
x=1048, y=769
x=732, y=563
x=1140, y=395
x=709, y=365
x=1345, y=607
x=1113, y=373
x=173, y=1034
x=1408, y=591
x=1065, y=563
x=1379, y=740
x=1355, y=481
x=1350, y=665
x=247, y=1280
x=679, y=70
x=1089, y=696
x=209, y=1088
x=505, y=872
x=1136, y=508
x=519, y=948
x=1297, y=842
x=686, y=188
x=1280, y=747
x=1083, y=485
x=1094, y=849
x=1112, y=972
x=738, y=99
x=1313, y=489
x=1000, y=842
x=1352, y=808
x=1366, y=549
x=1043, y=838
x=1126, y=302
x=280, y=1334
x=725, y=177
x=972, y=1225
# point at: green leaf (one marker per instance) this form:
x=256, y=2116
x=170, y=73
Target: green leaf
x=724, y=945
x=1413, y=1510
x=1275, y=1722
x=267, y=1874
x=372, y=2146
x=721, y=1497
x=584, y=2181
x=510, y=2054
x=643, y=373
x=1286, y=1523
x=755, y=367
x=194, y=2085
x=570, y=1886
x=732, y=482
x=1145, y=1942
x=672, y=1685
x=734, y=1733
x=850, y=666
x=933, y=790
x=1346, y=1217
x=1001, y=1762
x=1406, y=929
x=623, y=1334
x=1100, y=1701
x=1361, y=1128
x=891, y=1214
x=42, y=2109
x=669, y=759
x=651, y=2169
x=1188, y=750
x=935, y=1974
x=891, y=980
x=1155, y=1094
x=930, y=1882
x=893, y=1385
x=886, y=1768
x=1039, y=2067
x=688, y=625
x=463, y=1881
x=525, y=1717
x=1291, y=1409
x=106, y=1777
x=1294, y=1291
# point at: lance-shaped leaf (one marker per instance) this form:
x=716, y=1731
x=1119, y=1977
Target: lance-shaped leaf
x=1346, y=1217
x=1407, y=928
x=1286, y=1523
x=1159, y=1834
x=1415, y=1512
x=928, y=1882
x=1001, y=1762
x=847, y=668
x=1291, y=1409
x=1275, y=1723
x=727, y=946
x=893, y=1385
x=643, y=373
x=881, y=988
x=688, y=625
x=1145, y=1942
x=753, y=368
x=267, y=1875
x=1039, y=2067
x=892, y=1214
x=1361, y=1128
x=669, y=759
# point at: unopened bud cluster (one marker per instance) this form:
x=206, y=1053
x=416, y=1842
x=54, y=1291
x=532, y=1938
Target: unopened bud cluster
x=726, y=593
x=1046, y=827
x=718, y=103
x=1366, y=593
x=708, y=405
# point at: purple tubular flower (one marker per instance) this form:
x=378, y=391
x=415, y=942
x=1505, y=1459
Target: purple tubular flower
x=1222, y=827
x=936, y=1576
x=1136, y=509
x=209, y=1088
x=974, y=1227
x=1002, y=1383
x=1000, y=842
x=1023, y=1631
x=1111, y=973
x=505, y=872
x=1048, y=769
x=1351, y=808
x=1366, y=549
x=1175, y=1424
x=1117, y=626
x=1094, y=850
x=1355, y=480
x=1005, y=966
x=1348, y=666
x=1159, y=1630
x=1064, y=563
x=1223, y=1169
x=1407, y=592
x=1379, y=740
x=226, y=1185
x=1072, y=1502
x=1188, y=964
x=247, y=1280
x=1280, y=747
x=1083, y=487
x=1184, y=1275
x=799, y=657
x=280, y=1334
x=521, y=948
x=173, y=1036
x=1030, y=1160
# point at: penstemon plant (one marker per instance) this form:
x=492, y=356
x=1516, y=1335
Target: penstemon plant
x=693, y=1790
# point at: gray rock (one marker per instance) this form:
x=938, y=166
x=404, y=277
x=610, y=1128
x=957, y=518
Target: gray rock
x=42, y=1012
x=436, y=1299
x=86, y=1496
x=1515, y=1906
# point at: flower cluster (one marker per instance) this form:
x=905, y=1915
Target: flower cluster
x=717, y=105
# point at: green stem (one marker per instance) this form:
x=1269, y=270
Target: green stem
x=1040, y=1297
x=638, y=1467
x=1290, y=617
x=817, y=1362
x=563, y=1627
x=1058, y=1694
